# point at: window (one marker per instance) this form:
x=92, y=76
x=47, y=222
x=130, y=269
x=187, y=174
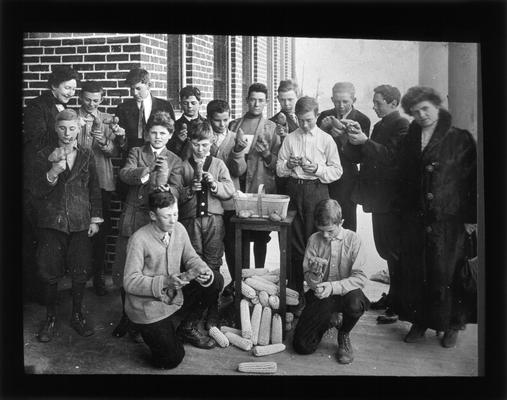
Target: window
x=220, y=67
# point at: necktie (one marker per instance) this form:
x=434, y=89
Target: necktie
x=140, y=123
x=293, y=117
x=165, y=239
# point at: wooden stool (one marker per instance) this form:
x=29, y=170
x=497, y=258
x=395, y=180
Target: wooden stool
x=263, y=224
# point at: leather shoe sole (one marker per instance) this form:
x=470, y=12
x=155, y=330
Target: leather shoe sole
x=387, y=319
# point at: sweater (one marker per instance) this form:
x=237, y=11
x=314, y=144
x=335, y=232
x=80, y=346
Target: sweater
x=212, y=203
x=148, y=263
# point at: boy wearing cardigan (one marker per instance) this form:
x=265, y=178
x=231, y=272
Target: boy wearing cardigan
x=230, y=147
x=155, y=288
x=206, y=184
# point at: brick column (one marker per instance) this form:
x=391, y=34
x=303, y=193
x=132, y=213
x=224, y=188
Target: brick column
x=260, y=65
x=199, y=65
x=236, y=76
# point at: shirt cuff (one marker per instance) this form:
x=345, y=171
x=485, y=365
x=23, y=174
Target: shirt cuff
x=51, y=182
x=337, y=288
x=145, y=178
x=207, y=284
x=96, y=220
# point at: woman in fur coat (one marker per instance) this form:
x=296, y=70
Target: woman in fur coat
x=438, y=164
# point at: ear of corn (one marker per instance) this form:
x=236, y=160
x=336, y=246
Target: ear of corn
x=238, y=341
x=268, y=277
x=247, y=291
x=268, y=282
x=248, y=272
x=225, y=329
x=257, y=367
x=270, y=287
x=288, y=326
x=255, y=300
x=260, y=351
x=256, y=322
x=276, y=329
x=291, y=293
x=274, y=302
x=289, y=317
x=264, y=298
x=291, y=301
x=246, y=327
x=265, y=328
x=219, y=337
x=193, y=273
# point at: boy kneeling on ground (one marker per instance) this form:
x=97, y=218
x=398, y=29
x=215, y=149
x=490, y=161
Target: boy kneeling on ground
x=155, y=288
x=333, y=268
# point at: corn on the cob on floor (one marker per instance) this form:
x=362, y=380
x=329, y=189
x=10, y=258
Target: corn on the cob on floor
x=238, y=341
x=247, y=291
x=265, y=328
x=258, y=367
x=219, y=337
x=260, y=351
x=256, y=322
x=276, y=329
x=246, y=326
x=225, y=329
x=259, y=285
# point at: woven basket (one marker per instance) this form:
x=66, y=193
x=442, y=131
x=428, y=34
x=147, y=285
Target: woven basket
x=262, y=204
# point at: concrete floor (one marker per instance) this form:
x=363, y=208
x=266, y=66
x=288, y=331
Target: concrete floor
x=379, y=349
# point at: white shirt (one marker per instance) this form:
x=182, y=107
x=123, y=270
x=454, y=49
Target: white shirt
x=317, y=147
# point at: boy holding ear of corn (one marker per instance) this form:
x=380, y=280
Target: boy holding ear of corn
x=333, y=268
x=206, y=184
x=101, y=133
x=190, y=100
x=156, y=288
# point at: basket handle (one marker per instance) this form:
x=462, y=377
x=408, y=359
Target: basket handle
x=260, y=192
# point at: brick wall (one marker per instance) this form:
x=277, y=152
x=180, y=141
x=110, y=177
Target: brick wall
x=236, y=76
x=199, y=65
x=104, y=57
x=107, y=58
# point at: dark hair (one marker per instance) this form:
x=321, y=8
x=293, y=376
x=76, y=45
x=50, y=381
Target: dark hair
x=416, y=94
x=389, y=93
x=218, y=107
x=161, y=118
x=62, y=73
x=327, y=212
x=306, y=104
x=137, y=75
x=92, y=87
x=202, y=131
x=189, y=91
x=67, y=115
x=344, y=87
x=288, y=85
x=258, y=87
x=160, y=199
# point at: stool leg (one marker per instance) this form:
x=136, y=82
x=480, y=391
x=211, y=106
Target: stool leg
x=283, y=269
x=237, y=267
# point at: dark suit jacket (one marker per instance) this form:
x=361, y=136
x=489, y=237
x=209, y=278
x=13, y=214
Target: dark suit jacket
x=39, y=123
x=183, y=149
x=128, y=114
x=69, y=205
x=290, y=123
x=350, y=171
x=379, y=174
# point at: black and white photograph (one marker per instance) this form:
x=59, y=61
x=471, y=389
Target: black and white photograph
x=252, y=203
x=370, y=167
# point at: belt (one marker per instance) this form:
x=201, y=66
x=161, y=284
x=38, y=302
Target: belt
x=304, y=181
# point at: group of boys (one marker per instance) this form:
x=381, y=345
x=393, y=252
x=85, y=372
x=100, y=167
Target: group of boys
x=177, y=182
